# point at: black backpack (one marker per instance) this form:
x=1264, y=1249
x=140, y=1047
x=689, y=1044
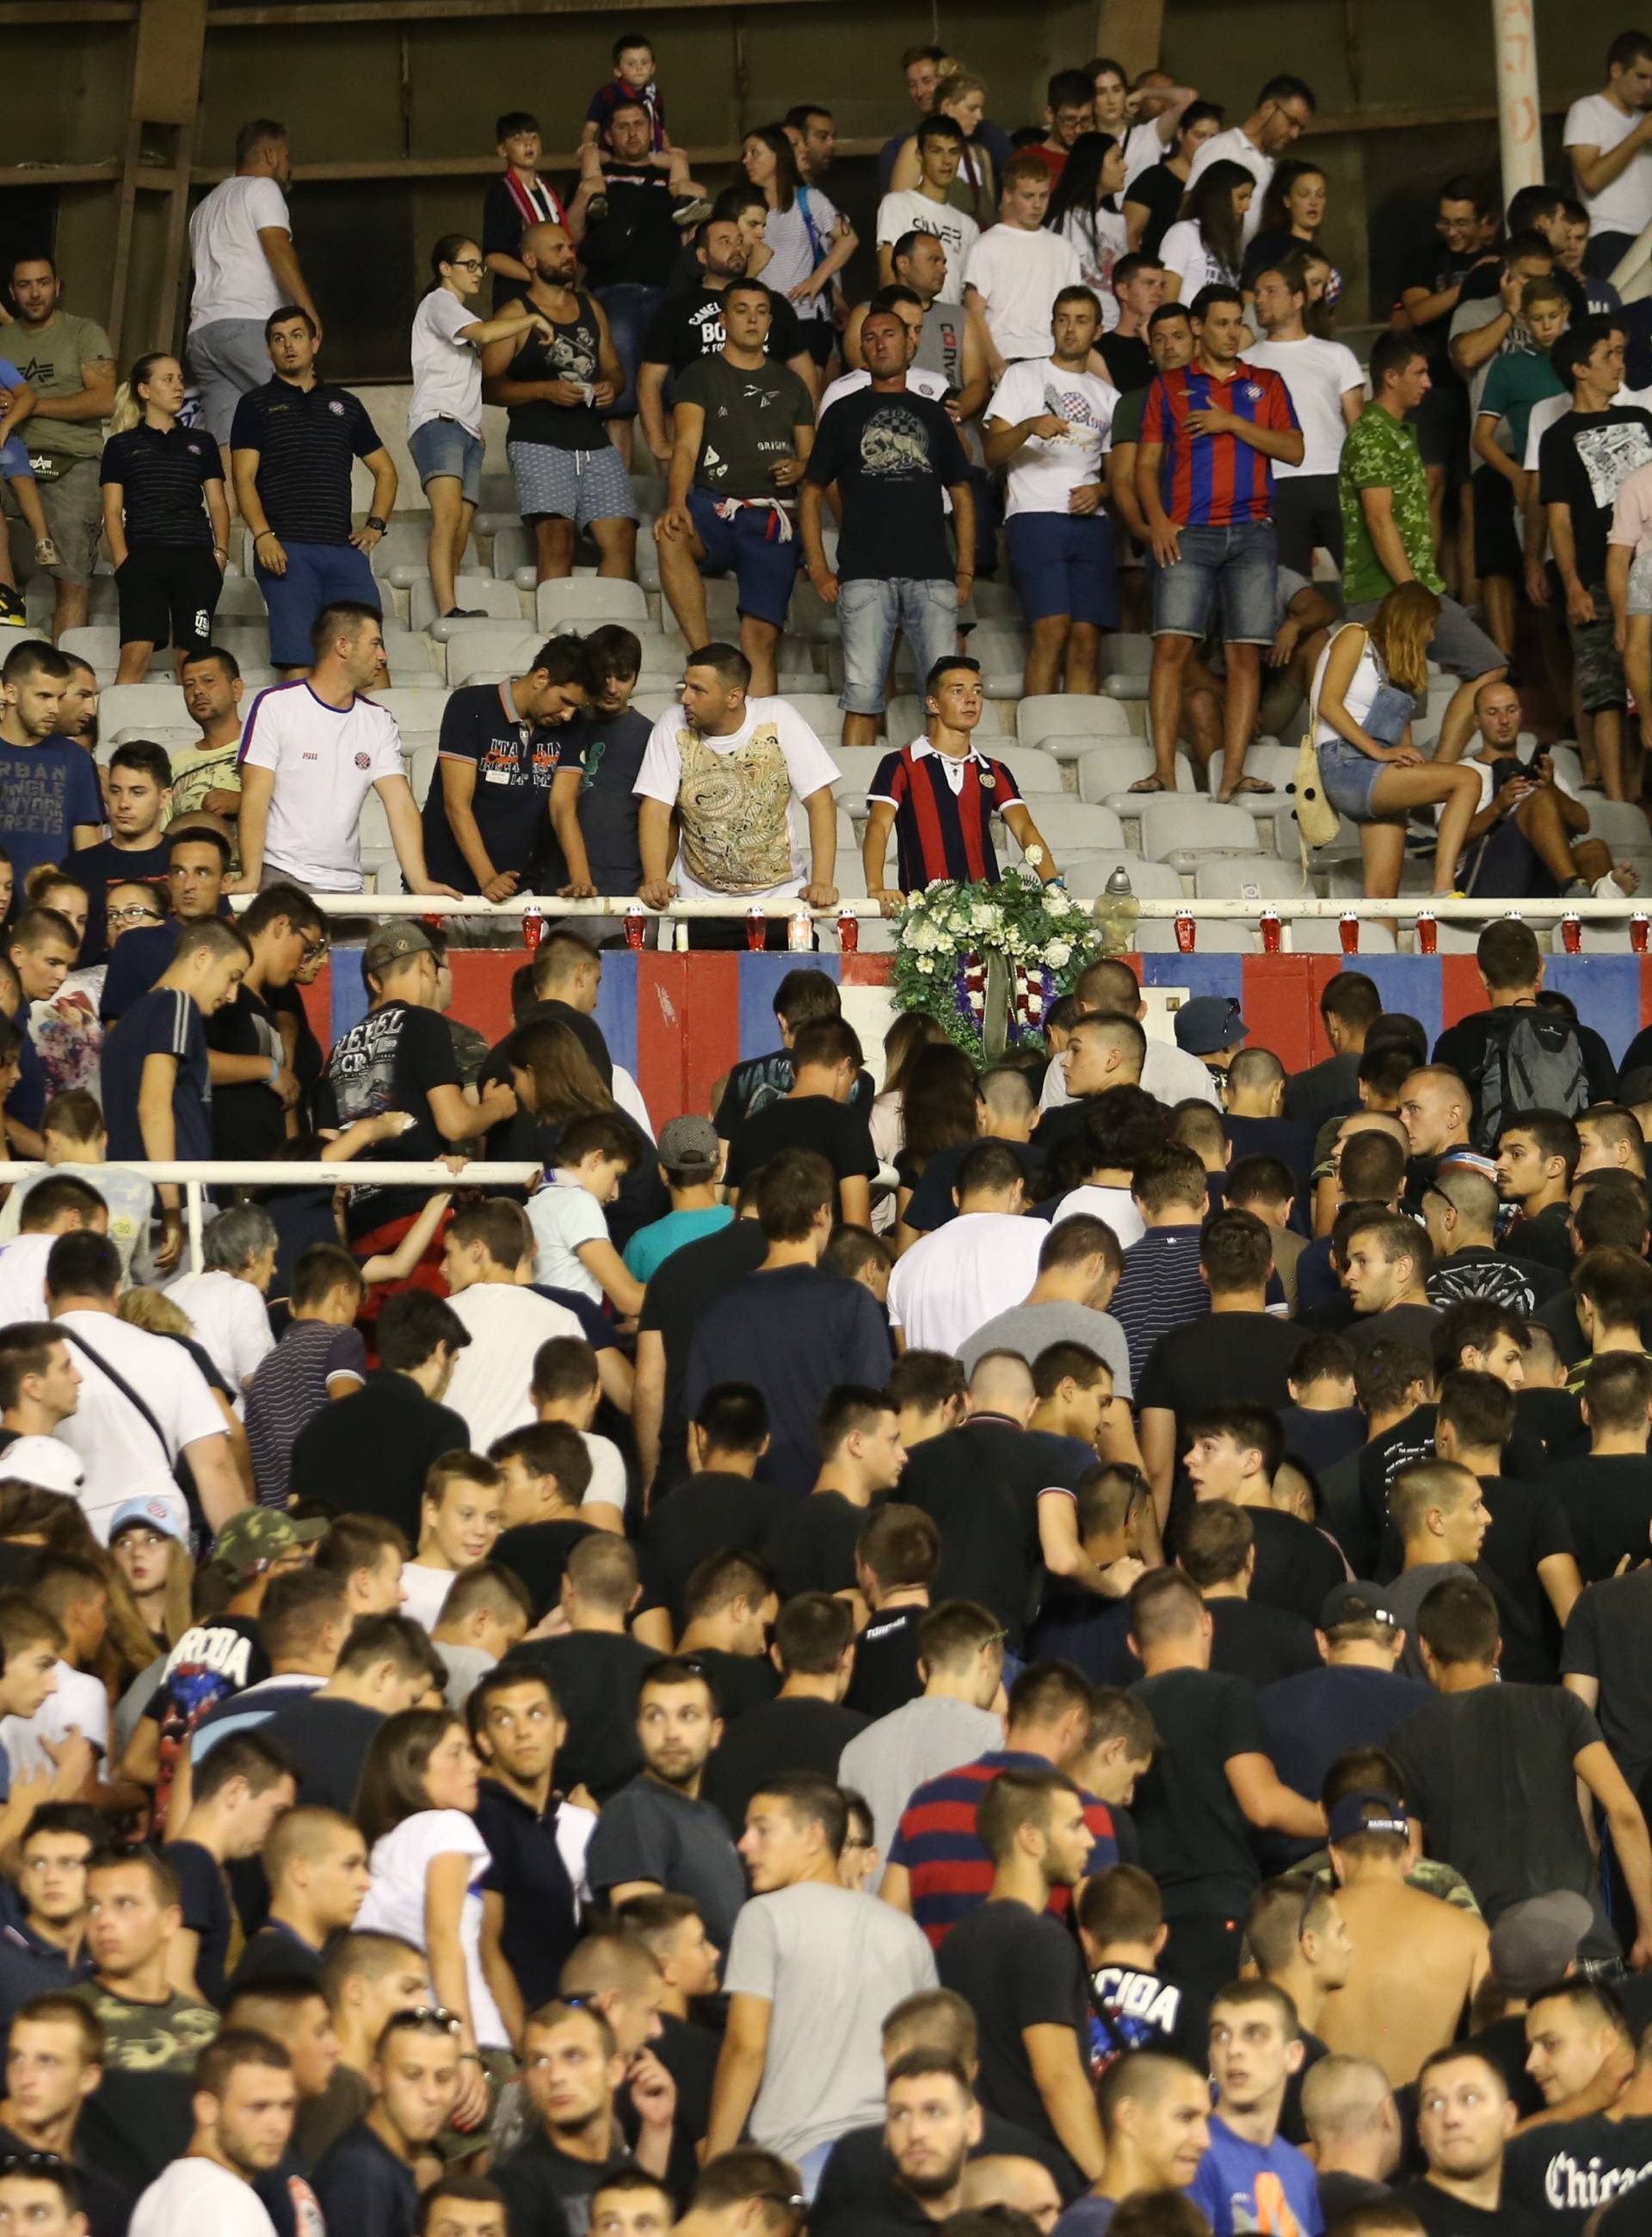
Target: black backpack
x=1534, y=1061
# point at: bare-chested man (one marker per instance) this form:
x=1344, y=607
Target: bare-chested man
x=1417, y=1962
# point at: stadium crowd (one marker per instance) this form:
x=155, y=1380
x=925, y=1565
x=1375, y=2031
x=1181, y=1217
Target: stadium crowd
x=1059, y=1648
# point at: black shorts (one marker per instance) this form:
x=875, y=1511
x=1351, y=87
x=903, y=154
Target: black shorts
x=1441, y=424
x=820, y=340
x=1496, y=530
x=167, y=595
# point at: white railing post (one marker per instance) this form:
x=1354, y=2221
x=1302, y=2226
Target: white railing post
x=193, y=1197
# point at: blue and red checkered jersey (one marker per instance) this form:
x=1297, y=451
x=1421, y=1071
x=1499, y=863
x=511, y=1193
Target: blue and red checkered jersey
x=948, y=1872
x=1211, y=481
x=940, y=833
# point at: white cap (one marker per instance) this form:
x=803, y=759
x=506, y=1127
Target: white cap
x=44, y=1460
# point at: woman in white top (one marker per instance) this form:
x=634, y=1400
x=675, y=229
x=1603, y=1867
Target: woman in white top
x=1203, y=249
x=812, y=242
x=1084, y=210
x=1369, y=679
x=445, y=419
x=460, y=1515
x=414, y=1806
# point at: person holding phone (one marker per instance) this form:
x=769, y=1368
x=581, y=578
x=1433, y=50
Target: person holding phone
x=1526, y=841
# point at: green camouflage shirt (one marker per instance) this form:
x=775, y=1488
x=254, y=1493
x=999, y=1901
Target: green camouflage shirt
x=1381, y=453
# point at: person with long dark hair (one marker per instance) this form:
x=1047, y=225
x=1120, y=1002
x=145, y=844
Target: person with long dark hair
x=1084, y=209
x=1152, y=200
x=1205, y=248
x=811, y=239
x=165, y=516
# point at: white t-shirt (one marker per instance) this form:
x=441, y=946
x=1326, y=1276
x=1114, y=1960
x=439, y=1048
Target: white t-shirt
x=793, y=254
x=1233, y=147
x=1626, y=205
x=326, y=760
x=1018, y=275
x=957, y=232
x=1143, y=148
x=1170, y=1075
x=562, y=1216
x=230, y=1319
x=80, y=1704
x=490, y=1385
x=1049, y=468
x=607, y=1485
x=1183, y=251
x=1116, y=1205
x=196, y=2197
x=23, y=1279
x=1098, y=238
x=399, y=1865
x=1319, y=375
x=233, y=274
x=808, y=764
x=447, y=372
x=424, y=1589
x=119, y=1450
x=131, y=1199
x=958, y=1275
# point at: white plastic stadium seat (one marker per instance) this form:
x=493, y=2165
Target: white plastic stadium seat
x=588, y=603
x=402, y=555
x=1123, y=653
x=856, y=766
x=1077, y=828
x=1032, y=771
x=100, y=644
x=821, y=713
x=1149, y=881
x=1068, y=714
x=472, y=594
x=1270, y=763
x=1237, y=878
x=488, y=649
x=1107, y=772
x=1618, y=823
x=1177, y=830
x=140, y=707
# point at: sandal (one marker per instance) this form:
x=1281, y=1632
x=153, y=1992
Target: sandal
x=1149, y=784
x=1250, y=784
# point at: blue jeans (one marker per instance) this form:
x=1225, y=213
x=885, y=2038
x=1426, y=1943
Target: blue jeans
x=631, y=308
x=1233, y=571
x=316, y=574
x=871, y=609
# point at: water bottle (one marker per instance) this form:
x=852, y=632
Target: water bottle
x=1117, y=912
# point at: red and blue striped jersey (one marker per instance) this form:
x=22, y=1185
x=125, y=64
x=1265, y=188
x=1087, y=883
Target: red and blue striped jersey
x=940, y=833
x=948, y=1872
x=1212, y=481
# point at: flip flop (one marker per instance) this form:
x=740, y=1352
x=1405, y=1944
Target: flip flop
x=1250, y=784
x=1148, y=784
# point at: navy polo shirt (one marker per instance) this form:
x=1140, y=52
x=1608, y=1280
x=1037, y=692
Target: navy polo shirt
x=307, y=439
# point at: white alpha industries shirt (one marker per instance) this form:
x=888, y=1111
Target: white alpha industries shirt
x=1047, y=469
x=326, y=760
x=233, y=278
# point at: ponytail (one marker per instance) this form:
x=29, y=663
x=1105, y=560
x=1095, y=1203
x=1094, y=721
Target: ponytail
x=445, y=252
x=129, y=405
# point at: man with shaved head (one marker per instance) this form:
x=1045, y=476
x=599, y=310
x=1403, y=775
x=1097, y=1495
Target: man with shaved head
x=1460, y=1208
x=1353, y=2123
x=1436, y=1111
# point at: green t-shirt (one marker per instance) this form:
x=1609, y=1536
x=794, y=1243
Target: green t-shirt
x=1516, y=382
x=750, y=423
x=1381, y=453
x=49, y=359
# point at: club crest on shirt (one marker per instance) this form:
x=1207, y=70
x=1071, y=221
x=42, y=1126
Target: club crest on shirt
x=336, y=408
x=364, y=760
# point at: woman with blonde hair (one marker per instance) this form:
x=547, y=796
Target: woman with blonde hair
x=961, y=95
x=165, y=516
x=1366, y=688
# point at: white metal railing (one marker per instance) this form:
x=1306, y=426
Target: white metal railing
x=197, y=1176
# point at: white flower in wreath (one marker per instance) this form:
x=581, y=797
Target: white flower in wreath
x=926, y=965
x=983, y=917
x=1059, y=952
x=1034, y=855
x=922, y=937
x=1057, y=903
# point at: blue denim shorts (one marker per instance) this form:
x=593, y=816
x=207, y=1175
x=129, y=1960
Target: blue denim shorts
x=316, y=574
x=630, y=307
x=14, y=460
x=442, y=450
x=749, y=548
x=1233, y=572
x=870, y=610
x=1349, y=778
x=1062, y=563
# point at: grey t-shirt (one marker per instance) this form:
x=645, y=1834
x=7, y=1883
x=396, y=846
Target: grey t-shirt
x=919, y=1740
x=1406, y=1595
x=751, y=420
x=649, y=1831
x=832, y=1966
x=1032, y=1328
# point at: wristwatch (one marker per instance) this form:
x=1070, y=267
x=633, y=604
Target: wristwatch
x=373, y=521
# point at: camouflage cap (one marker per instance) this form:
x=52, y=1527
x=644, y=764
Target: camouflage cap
x=249, y=1542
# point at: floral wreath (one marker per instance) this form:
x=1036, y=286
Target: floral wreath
x=946, y=933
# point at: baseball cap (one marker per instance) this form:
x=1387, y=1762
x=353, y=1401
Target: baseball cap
x=44, y=1460
x=1357, y=1601
x=393, y=943
x=249, y=1542
x=688, y=1144
x=1533, y=1942
x=1209, y=1022
x=1368, y=1813
x=150, y=1515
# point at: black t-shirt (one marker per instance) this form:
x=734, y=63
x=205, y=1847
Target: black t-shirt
x=369, y=1454
x=892, y=455
x=1477, y=1272
x=1131, y=2010
x=206, y=1912
x=164, y=1022
x=548, y=2194
x=1016, y=1969
x=1320, y=1436
x=637, y=243
x=1258, y=1643
x=751, y=420
x=105, y=865
x=364, y=2188
x=1399, y=1324
x=1220, y=1358
x=496, y=1065
x=781, y=1735
x=980, y=1485
x=1128, y=361
x=1195, y=1840
x=1313, y=1718
x=1528, y=1525
x=886, y=1663
x=1491, y=1773
x=538, y=1554
x=811, y=1548
x=594, y=1675
x=1434, y=266
x=541, y=1921
x=327, y=1740
x=1544, y=1236
x=1564, y=2172
x=1160, y=192
x=739, y=1683
x=607, y=751
x=679, y=1292
x=514, y=762
x=1295, y=1564
x=794, y=1332
x=307, y=441
x=275, y=1953
x=837, y=1131
x=713, y=1512
x=1583, y=462
x=854, y=2179
x=932, y=1205
x=1441, y=2216
x=689, y=326
x=389, y=1061
x=162, y=477
x=108, y=2206
x=247, y=1115
x=1608, y=1637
